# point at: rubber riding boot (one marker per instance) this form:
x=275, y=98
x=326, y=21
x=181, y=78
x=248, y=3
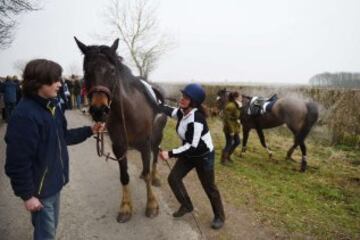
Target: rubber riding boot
x=182, y=211
x=224, y=158
x=217, y=223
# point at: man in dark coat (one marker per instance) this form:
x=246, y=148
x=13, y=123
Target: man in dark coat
x=37, y=159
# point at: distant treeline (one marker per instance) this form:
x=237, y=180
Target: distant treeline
x=340, y=80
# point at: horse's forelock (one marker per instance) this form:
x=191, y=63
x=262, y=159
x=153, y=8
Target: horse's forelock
x=106, y=51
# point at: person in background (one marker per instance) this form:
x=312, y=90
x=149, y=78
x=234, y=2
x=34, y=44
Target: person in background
x=37, y=159
x=2, y=103
x=77, y=93
x=63, y=96
x=69, y=84
x=196, y=151
x=18, y=89
x=9, y=89
x=231, y=129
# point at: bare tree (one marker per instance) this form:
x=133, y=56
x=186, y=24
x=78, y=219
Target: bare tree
x=9, y=9
x=136, y=24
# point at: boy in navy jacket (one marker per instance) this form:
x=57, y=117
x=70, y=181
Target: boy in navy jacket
x=37, y=159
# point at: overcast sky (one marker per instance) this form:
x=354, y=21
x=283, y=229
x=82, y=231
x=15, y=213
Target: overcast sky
x=278, y=41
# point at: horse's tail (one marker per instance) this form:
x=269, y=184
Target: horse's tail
x=312, y=116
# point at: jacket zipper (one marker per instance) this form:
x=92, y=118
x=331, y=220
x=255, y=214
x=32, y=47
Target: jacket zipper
x=42, y=180
x=60, y=155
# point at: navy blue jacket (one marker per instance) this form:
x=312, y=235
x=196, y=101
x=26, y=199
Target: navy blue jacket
x=37, y=159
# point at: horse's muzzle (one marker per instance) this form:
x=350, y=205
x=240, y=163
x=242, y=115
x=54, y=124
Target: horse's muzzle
x=99, y=114
x=100, y=103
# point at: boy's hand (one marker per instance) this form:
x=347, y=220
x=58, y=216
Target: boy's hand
x=164, y=155
x=33, y=204
x=98, y=127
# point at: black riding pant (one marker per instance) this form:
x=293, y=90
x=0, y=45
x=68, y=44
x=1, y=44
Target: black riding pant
x=205, y=170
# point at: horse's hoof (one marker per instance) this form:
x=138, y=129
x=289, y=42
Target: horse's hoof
x=156, y=182
x=152, y=212
x=123, y=217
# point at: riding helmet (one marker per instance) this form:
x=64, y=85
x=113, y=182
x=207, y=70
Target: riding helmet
x=195, y=92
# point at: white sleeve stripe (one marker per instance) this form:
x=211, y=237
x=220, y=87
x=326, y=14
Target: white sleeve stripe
x=174, y=113
x=181, y=149
x=198, y=128
x=207, y=140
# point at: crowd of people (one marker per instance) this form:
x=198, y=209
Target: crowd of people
x=72, y=94
x=10, y=95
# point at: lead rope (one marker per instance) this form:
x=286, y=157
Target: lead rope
x=196, y=220
x=100, y=136
x=100, y=148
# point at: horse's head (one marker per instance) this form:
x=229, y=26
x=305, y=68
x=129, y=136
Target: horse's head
x=101, y=75
x=221, y=98
x=245, y=100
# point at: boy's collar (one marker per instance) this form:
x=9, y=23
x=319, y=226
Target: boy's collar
x=47, y=103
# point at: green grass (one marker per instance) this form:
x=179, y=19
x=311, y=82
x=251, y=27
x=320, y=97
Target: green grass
x=324, y=202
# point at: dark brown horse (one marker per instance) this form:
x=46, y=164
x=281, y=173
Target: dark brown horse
x=298, y=115
x=132, y=119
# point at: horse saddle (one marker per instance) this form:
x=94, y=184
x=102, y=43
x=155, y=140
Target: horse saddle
x=261, y=105
x=152, y=92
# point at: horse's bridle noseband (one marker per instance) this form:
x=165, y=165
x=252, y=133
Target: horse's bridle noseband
x=100, y=89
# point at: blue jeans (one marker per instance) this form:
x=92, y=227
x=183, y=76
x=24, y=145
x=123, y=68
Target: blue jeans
x=78, y=101
x=46, y=220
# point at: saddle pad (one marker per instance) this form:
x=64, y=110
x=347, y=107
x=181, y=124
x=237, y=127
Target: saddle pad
x=150, y=90
x=266, y=106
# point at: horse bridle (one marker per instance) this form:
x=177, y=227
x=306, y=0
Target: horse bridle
x=102, y=89
x=100, y=135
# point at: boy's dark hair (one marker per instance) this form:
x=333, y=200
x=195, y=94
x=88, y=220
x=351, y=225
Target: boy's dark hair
x=39, y=72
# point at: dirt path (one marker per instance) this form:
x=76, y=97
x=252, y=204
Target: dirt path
x=90, y=202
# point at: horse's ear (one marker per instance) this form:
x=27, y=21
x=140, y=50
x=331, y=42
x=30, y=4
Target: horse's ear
x=115, y=45
x=82, y=46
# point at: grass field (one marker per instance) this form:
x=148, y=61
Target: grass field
x=323, y=203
